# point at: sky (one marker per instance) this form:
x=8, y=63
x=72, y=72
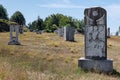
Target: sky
x=31, y=9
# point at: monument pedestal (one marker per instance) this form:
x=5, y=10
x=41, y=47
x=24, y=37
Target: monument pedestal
x=96, y=65
x=13, y=43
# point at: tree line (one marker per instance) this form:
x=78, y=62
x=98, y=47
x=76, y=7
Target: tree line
x=56, y=21
x=51, y=23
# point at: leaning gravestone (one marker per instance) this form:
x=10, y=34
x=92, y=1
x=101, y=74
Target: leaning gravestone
x=95, y=42
x=60, y=32
x=69, y=33
x=108, y=33
x=14, y=39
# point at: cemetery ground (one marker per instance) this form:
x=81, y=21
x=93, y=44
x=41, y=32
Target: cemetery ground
x=48, y=57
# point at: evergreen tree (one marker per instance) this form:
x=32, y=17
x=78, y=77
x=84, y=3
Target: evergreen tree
x=18, y=18
x=3, y=13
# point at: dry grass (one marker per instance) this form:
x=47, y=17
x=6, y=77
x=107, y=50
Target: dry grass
x=49, y=57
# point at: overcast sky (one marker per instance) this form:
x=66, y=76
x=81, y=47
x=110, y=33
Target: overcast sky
x=75, y=8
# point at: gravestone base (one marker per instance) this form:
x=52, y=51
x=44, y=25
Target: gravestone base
x=13, y=43
x=105, y=66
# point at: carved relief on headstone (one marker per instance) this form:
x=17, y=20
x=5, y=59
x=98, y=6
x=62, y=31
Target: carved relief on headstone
x=14, y=38
x=95, y=33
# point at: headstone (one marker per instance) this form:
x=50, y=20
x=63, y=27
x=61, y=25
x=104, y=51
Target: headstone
x=21, y=29
x=60, y=32
x=39, y=32
x=117, y=33
x=95, y=41
x=69, y=33
x=108, y=33
x=14, y=38
x=56, y=31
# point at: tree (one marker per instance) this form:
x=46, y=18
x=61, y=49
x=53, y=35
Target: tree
x=39, y=24
x=3, y=13
x=79, y=24
x=58, y=20
x=36, y=24
x=18, y=18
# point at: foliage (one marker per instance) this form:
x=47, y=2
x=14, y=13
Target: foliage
x=36, y=25
x=4, y=26
x=79, y=25
x=18, y=18
x=3, y=13
x=58, y=20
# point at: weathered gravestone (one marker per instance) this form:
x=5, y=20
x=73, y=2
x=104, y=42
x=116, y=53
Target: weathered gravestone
x=95, y=41
x=14, y=39
x=108, y=33
x=69, y=33
x=21, y=29
x=117, y=33
x=60, y=32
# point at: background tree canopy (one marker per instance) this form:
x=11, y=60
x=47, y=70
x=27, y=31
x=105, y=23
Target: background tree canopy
x=56, y=21
x=36, y=24
x=50, y=23
x=3, y=13
x=18, y=18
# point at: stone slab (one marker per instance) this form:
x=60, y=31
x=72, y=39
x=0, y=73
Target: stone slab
x=69, y=33
x=96, y=65
x=95, y=33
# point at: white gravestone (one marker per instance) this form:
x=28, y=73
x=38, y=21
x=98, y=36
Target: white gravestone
x=14, y=39
x=95, y=41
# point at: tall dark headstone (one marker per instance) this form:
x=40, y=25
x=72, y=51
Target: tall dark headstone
x=95, y=41
x=69, y=33
x=108, y=33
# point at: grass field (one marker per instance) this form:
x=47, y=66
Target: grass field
x=48, y=57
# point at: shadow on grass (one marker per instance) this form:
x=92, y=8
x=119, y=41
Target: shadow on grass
x=72, y=41
x=115, y=73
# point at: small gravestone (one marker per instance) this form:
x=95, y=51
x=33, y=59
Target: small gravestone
x=14, y=38
x=60, y=32
x=69, y=33
x=117, y=33
x=108, y=33
x=39, y=32
x=21, y=29
x=95, y=42
x=56, y=31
